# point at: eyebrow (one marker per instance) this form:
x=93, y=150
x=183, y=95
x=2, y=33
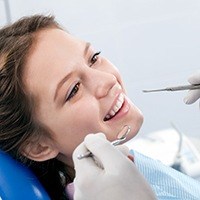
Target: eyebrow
x=63, y=80
x=87, y=46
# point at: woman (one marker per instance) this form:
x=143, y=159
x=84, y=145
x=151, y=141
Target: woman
x=55, y=90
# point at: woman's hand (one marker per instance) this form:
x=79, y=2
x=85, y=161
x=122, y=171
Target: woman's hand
x=109, y=174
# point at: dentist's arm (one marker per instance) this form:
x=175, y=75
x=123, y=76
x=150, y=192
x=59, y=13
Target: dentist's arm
x=115, y=178
x=193, y=95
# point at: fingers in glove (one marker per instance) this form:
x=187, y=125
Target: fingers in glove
x=105, y=152
x=123, y=149
x=83, y=164
x=194, y=78
x=192, y=96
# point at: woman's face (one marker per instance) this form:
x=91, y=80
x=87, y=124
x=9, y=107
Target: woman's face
x=77, y=91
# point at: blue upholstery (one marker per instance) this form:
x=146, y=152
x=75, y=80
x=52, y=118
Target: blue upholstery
x=17, y=182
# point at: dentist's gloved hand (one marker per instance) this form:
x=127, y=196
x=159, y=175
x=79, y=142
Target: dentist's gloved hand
x=115, y=178
x=193, y=95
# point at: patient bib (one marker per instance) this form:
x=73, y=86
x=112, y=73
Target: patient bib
x=167, y=183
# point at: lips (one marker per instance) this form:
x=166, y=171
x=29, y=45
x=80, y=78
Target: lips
x=115, y=107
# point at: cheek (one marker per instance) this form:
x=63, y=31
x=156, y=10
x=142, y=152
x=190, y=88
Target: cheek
x=136, y=120
x=82, y=120
x=85, y=116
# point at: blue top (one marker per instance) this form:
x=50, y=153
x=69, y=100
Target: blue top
x=167, y=183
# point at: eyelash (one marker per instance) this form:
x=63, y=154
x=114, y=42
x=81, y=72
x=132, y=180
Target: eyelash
x=75, y=89
x=94, y=58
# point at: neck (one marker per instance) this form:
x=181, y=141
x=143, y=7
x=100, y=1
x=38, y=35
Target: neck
x=69, y=164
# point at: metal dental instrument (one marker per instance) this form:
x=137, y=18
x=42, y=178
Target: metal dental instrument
x=176, y=88
x=123, y=133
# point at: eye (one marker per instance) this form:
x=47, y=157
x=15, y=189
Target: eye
x=73, y=92
x=94, y=58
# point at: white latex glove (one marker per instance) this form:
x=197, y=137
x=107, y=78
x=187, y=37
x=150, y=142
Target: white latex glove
x=193, y=95
x=118, y=179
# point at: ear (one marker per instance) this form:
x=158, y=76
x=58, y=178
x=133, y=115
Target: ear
x=40, y=150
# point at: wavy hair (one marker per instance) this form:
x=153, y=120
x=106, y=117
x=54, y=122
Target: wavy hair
x=17, y=123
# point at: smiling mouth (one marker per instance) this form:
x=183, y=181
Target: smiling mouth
x=115, y=108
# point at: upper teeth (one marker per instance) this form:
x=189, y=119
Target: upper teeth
x=116, y=107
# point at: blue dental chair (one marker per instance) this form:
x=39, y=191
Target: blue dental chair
x=17, y=182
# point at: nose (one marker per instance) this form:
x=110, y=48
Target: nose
x=101, y=83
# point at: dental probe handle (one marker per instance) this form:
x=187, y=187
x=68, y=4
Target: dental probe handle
x=89, y=154
x=176, y=88
x=124, y=132
x=183, y=87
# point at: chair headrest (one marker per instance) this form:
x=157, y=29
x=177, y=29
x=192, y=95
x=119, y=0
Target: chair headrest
x=18, y=182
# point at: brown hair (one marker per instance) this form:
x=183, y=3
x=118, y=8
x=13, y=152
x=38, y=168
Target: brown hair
x=17, y=124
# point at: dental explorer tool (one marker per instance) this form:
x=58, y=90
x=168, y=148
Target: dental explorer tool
x=176, y=88
x=123, y=133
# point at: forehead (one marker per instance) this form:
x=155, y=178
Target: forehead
x=52, y=42
x=52, y=55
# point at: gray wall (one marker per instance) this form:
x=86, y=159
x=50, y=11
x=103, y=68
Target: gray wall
x=154, y=43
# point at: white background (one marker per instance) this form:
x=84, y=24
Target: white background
x=154, y=44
